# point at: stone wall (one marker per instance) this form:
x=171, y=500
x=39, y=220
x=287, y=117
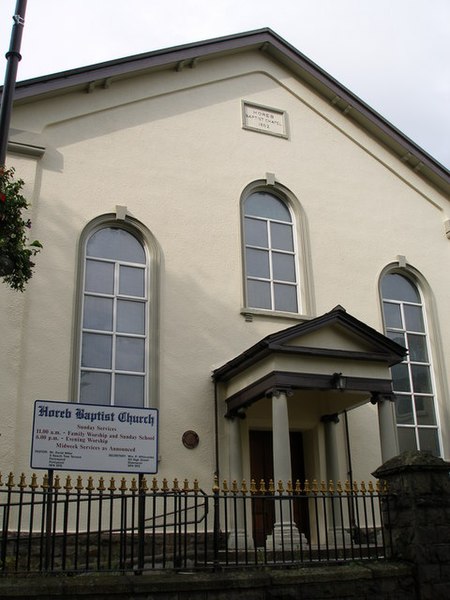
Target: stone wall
x=368, y=581
x=418, y=518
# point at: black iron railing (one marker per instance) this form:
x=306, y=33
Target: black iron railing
x=136, y=527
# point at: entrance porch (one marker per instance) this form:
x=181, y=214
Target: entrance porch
x=287, y=401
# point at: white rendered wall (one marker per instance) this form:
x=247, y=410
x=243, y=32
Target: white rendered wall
x=171, y=148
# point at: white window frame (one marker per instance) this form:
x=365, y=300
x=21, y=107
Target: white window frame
x=415, y=426
x=153, y=261
x=271, y=280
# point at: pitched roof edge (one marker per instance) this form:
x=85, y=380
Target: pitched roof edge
x=354, y=102
x=142, y=61
x=271, y=342
x=405, y=149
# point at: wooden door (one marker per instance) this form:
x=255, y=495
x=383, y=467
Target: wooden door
x=261, y=467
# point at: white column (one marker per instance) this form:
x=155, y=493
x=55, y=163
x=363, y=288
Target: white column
x=235, y=449
x=280, y=435
x=285, y=531
x=336, y=534
x=236, y=538
x=388, y=429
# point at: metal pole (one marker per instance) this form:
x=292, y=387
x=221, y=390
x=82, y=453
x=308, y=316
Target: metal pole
x=13, y=57
x=48, y=519
x=141, y=526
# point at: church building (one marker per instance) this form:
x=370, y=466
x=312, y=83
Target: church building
x=235, y=239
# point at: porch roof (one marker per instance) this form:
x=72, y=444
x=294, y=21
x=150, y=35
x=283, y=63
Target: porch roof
x=335, y=351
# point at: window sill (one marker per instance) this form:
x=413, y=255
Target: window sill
x=250, y=313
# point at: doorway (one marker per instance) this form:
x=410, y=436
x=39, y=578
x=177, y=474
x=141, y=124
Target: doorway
x=261, y=467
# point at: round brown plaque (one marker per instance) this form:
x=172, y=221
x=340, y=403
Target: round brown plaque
x=190, y=439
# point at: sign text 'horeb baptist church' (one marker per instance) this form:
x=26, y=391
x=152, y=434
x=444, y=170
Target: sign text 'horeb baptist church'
x=87, y=437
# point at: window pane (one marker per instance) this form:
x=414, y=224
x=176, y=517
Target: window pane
x=421, y=378
x=429, y=441
x=392, y=315
x=285, y=297
x=397, y=287
x=130, y=316
x=281, y=237
x=257, y=263
x=258, y=293
x=283, y=267
x=129, y=390
x=96, y=351
x=114, y=318
x=417, y=410
x=404, y=410
x=116, y=244
x=130, y=353
x=397, y=336
x=131, y=281
x=425, y=410
x=413, y=318
x=95, y=388
x=262, y=204
x=407, y=438
x=256, y=233
x=400, y=378
x=417, y=345
x=98, y=313
x=99, y=277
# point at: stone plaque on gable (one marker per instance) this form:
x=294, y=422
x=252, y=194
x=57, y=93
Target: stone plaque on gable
x=264, y=119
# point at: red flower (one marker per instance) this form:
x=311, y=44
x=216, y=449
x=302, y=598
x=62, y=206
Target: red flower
x=3, y=197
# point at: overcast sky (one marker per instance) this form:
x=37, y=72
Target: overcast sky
x=393, y=54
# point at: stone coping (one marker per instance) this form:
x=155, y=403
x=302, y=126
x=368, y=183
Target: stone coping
x=411, y=461
x=157, y=584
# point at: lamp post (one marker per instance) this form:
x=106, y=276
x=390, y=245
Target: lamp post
x=13, y=57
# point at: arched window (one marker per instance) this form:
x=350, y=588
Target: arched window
x=270, y=256
x=114, y=329
x=405, y=323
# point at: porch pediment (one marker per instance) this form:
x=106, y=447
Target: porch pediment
x=311, y=355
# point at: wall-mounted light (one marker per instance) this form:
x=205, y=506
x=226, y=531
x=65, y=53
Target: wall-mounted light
x=339, y=381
